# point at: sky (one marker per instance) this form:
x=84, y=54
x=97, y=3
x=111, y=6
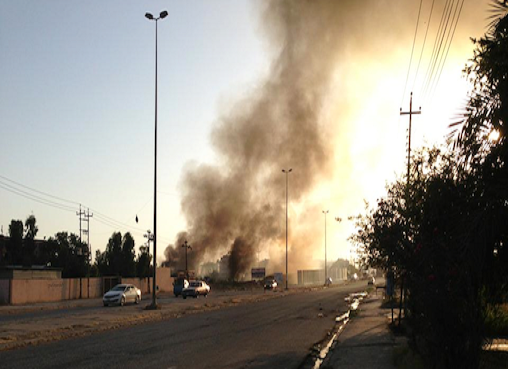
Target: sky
x=77, y=107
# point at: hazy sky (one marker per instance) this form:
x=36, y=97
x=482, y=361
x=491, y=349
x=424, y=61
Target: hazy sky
x=77, y=105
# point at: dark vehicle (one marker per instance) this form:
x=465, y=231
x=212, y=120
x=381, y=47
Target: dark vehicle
x=121, y=294
x=195, y=289
x=178, y=286
x=270, y=284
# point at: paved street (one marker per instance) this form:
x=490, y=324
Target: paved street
x=275, y=333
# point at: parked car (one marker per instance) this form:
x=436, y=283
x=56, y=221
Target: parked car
x=122, y=294
x=270, y=284
x=195, y=289
x=371, y=281
x=179, y=285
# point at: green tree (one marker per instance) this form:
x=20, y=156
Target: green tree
x=69, y=253
x=128, y=266
x=143, y=262
x=31, y=230
x=15, y=244
x=119, y=256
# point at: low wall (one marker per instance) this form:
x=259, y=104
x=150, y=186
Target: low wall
x=4, y=291
x=26, y=291
x=164, y=281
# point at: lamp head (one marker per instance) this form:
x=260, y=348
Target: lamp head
x=149, y=16
x=163, y=14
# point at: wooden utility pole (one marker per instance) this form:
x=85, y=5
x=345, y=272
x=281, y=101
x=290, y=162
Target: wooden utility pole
x=410, y=113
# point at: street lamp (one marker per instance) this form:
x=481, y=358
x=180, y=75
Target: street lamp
x=187, y=247
x=149, y=16
x=326, y=271
x=287, y=172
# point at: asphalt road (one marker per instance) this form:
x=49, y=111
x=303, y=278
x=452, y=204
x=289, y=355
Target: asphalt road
x=276, y=333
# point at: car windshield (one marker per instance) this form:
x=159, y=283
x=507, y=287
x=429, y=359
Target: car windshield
x=195, y=284
x=118, y=288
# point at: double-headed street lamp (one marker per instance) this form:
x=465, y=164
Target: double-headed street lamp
x=326, y=271
x=287, y=172
x=149, y=16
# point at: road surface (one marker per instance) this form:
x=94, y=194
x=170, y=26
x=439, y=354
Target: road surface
x=276, y=333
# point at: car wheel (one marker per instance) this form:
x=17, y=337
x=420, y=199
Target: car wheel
x=106, y=305
x=184, y=297
x=137, y=300
x=122, y=301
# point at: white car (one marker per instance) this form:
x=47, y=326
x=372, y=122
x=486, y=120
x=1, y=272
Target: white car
x=195, y=289
x=122, y=294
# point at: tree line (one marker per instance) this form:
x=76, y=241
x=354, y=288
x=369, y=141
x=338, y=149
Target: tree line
x=67, y=252
x=445, y=235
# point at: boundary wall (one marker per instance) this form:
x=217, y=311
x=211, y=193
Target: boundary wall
x=28, y=291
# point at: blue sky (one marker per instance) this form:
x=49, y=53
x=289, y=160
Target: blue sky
x=77, y=100
x=77, y=106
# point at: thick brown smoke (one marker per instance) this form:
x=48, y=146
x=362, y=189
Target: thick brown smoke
x=238, y=206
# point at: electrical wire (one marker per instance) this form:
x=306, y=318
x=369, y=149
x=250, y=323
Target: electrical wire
x=35, y=196
x=442, y=64
x=423, y=46
x=437, y=54
x=412, y=50
x=39, y=192
x=434, y=49
x=38, y=199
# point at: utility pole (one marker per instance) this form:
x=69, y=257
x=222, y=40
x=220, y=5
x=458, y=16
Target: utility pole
x=149, y=237
x=85, y=217
x=80, y=214
x=410, y=113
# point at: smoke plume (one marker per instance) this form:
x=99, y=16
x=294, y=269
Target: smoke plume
x=238, y=205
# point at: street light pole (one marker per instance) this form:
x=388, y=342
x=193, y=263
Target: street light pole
x=287, y=172
x=326, y=271
x=149, y=16
x=187, y=247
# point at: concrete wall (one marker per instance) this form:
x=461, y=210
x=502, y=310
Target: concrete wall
x=164, y=280
x=4, y=291
x=28, y=273
x=26, y=291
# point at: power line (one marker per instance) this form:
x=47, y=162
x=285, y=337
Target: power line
x=434, y=48
x=424, y=42
x=446, y=13
x=99, y=217
x=40, y=192
x=412, y=50
x=450, y=38
x=35, y=198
